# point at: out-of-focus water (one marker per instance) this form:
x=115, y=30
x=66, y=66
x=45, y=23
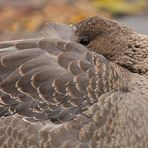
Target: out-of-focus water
x=138, y=23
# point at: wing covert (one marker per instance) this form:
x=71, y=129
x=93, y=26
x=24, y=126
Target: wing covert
x=52, y=78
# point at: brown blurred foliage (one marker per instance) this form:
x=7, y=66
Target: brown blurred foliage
x=19, y=18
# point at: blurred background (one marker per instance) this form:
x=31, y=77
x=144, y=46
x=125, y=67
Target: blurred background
x=20, y=18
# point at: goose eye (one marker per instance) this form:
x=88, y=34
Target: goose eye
x=84, y=41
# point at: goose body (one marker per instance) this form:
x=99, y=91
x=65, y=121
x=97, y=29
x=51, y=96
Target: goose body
x=55, y=92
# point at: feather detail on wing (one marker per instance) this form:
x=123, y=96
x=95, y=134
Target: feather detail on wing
x=51, y=78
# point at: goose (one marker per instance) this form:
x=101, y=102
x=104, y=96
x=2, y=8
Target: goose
x=84, y=86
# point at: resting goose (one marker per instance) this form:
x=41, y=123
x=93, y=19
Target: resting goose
x=58, y=93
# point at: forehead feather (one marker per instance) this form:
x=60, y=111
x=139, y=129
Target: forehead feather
x=93, y=23
x=88, y=24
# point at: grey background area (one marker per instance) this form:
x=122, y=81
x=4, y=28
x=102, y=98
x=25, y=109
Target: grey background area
x=138, y=23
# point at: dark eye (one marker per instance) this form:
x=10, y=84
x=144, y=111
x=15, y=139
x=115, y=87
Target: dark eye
x=84, y=41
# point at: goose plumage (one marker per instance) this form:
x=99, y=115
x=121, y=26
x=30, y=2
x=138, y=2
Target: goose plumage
x=55, y=92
